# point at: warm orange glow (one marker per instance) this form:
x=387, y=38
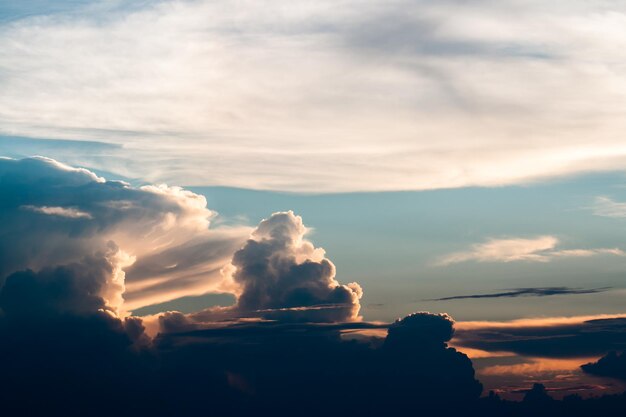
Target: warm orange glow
x=533, y=322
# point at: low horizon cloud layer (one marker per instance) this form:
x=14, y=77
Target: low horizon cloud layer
x=406, y=95
x=548, y=337
x=539, y=249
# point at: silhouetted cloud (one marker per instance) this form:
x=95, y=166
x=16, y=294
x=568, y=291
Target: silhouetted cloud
x=613, y=365
x=545, y=337
x=527, y=292
x=275, y=366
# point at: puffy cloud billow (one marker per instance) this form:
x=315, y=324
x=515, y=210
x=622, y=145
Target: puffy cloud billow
x=53, y=214
x=282, y=275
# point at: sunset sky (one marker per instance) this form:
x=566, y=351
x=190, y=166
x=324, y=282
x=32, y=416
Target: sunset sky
x=192, y=165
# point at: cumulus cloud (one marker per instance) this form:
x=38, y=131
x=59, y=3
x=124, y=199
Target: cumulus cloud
x=391, y=95
x=280, y=274
x=54, y=215
x=539, y=249
x=94, y=284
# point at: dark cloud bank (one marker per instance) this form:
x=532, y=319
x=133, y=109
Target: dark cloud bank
x=292, y=345
x=570, y=340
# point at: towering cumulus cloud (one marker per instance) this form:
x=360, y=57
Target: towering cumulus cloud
x=282, y=275
x=54, y=215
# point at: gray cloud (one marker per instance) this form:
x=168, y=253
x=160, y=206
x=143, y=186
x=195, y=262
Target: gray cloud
x=548, y=338
x=613, y=365
x=527, y=292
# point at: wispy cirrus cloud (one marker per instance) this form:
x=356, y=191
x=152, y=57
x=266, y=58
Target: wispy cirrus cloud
x=384, y=96
x=607, y=207
x=538, y=249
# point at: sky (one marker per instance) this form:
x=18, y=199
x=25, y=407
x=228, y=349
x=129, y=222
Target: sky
x=187, y=174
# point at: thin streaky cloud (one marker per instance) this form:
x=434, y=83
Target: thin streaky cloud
x=539, y=249
x=68, y=212
x=606, y=207
x=527, y=292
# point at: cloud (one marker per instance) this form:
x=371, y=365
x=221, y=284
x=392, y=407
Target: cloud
x=293, y=337
x=546, y=338
x=526, y=292
x=539, y=249
x=275, y=365
x=91, y=285
x=383, y=96
x=613, y=365
x=281, y=275
x=157, y=238
x=606, y=207
x=68, y=212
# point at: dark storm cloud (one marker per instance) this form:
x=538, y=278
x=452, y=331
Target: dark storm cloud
x=67, y=289
x=613, y=365
x=584, y=338
x=527, y=292
x=279, y=366
x=64, y=351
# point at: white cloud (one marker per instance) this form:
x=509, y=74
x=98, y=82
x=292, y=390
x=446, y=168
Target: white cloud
x=606, y=207
x=539, y=249
x=69, y=212
x=147, y=245
x=396, y=95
